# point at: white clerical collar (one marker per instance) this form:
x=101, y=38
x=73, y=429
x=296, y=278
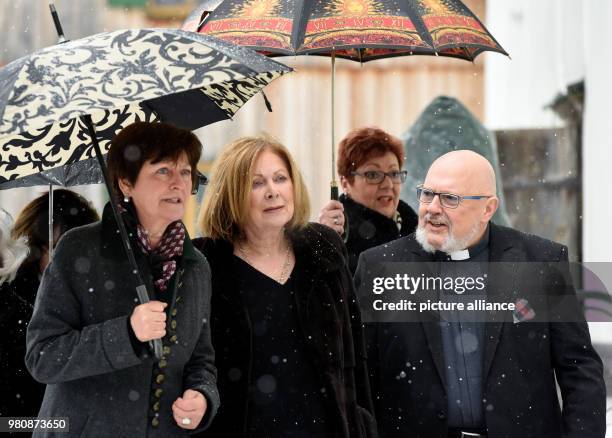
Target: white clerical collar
x=464, y=254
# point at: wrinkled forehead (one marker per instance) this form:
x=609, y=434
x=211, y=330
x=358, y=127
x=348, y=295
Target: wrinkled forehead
x=450, y=179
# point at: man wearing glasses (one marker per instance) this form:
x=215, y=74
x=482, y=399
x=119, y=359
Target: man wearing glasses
x=455, y=376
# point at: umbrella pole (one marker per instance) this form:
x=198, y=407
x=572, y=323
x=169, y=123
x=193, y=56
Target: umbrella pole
x=51, y=233
x=58, y=25
x=334, y=183
x=141, y=289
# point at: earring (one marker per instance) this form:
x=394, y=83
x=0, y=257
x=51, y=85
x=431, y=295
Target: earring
x=126, y=199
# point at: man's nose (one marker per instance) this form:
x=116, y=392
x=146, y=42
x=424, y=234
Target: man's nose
x=434, y=206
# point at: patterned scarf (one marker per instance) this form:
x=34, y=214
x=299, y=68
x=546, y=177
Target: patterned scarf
x=162, y=259
x=170, y=247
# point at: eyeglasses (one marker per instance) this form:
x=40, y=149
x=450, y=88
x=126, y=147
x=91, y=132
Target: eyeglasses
x=448, y=200
x=378, y=176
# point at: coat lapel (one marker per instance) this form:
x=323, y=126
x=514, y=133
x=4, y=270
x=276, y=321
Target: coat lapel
x=113, y=249
x=316, y=257
x=431, y=327
x=502, y=284
x=430, y=322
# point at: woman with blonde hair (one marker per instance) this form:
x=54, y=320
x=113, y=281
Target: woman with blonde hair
x=284, y=321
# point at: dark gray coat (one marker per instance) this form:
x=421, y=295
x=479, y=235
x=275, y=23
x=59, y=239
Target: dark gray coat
x=78, y=341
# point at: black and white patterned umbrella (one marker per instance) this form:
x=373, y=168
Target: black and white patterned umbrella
x=62, y=105
x=117, y=78
x=82, y=172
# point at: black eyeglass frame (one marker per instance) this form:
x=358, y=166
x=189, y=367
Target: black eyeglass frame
x=460, y=198
x=403, y=174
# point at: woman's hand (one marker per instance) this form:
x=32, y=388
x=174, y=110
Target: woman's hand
x=332, y=215
x=148, y=321
x=189, y=409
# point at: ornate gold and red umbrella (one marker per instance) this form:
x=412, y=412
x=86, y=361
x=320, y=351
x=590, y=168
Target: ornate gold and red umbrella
x=360, y=30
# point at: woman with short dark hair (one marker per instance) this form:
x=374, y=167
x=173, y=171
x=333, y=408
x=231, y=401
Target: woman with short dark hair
x=88, y=336
x=285, y=322
x=370, y=164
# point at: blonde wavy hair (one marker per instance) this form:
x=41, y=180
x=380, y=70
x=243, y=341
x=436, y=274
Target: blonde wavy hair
x=224, y=211
x=12, y=251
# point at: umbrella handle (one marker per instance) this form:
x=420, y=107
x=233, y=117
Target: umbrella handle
x=334, y=191
x=334, y=197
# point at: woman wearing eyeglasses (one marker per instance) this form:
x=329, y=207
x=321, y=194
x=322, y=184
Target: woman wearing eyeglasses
x=370, y=167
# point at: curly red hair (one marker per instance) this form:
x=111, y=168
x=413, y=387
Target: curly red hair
x=361, y=144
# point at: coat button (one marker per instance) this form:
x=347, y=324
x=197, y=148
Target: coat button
x=155, y=422
x=156, y=406
x=159, y=392
x=173, y=338
x=162, y=363
x=441, y=415
x=166, y=351
x=160, y=378
x=173, y=324
x=173, y=312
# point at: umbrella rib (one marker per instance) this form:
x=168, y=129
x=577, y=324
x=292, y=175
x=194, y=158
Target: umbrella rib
x=489, y=34
x=419, y=25
x=299, y=24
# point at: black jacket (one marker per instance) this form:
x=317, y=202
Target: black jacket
x=331, y=327
x=368, y=228
x=521, y=359
x=20, y=394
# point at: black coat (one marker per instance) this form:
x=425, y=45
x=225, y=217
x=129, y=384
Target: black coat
x=368, y=228
x=20, y=394
x=330, y=323
x=521, y=359
x=79, y=343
